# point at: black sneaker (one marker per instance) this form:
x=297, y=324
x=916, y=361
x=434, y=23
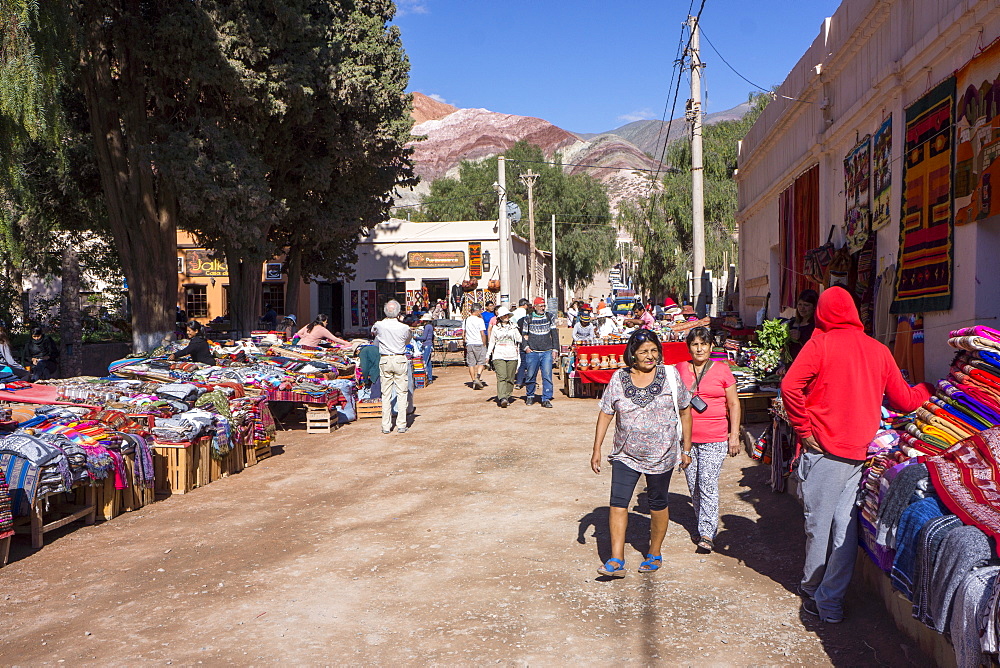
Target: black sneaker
x=802, y=592
x=529, y=401
x=546, y=404
x=809, y=606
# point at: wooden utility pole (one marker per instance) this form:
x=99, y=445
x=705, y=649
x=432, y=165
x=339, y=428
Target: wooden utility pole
x=529, y=178
x=503, y=231
x=697, y=172
x=555, y=282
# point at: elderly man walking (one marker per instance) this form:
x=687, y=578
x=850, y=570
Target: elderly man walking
x=541, y=346
x=392, y=337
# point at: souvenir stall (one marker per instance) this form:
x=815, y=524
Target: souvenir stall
x=591, y=366
x=930, y=511
x=91, y=448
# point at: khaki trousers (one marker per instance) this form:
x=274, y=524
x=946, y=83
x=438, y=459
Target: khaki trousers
x=394, y=373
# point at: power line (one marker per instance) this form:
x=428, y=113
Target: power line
x=450, y=199
x=577, y=164
x=757, y=86
x=680, y=72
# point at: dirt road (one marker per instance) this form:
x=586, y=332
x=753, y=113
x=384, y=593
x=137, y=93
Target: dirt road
x=472, y=539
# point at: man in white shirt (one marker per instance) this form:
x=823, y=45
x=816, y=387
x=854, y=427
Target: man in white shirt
x=475, y=345
x=392, y=337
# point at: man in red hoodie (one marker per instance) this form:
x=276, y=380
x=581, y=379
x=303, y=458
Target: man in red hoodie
x=833, y=395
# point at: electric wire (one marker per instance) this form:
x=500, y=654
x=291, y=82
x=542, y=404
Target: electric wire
x=450, y=199
x=736, y=72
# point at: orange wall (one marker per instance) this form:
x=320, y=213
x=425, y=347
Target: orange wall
x=215, y=286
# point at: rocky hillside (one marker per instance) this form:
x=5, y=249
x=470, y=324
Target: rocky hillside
x=648, y=136
x=452, y=135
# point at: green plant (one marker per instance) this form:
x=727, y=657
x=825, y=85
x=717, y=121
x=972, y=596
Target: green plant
x=773, y=335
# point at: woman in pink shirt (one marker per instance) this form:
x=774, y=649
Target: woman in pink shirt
x=715, y=430
x=316, y=331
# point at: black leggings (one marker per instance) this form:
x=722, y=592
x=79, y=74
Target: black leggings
x=624, y=479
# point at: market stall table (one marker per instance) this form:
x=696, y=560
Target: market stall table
x=673, y=353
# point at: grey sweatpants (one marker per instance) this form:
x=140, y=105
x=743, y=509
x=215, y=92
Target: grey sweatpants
x=829, y=492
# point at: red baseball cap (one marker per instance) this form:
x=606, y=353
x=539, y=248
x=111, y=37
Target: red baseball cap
x=539, y=300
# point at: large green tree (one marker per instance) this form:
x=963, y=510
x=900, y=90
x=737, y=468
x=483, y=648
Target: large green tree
x=586, y=239
x=661, y=226
x=200, y=114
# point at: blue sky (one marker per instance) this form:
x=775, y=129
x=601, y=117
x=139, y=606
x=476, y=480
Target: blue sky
x=593, y=65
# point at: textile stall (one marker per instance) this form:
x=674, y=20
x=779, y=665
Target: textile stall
x=929, y=514
x=88, y=448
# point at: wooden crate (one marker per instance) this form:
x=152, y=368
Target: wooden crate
x=369, y=409
x=318, y=420
x=262, y=450
x=203, y=470
x=175, y=468
x=107, y=499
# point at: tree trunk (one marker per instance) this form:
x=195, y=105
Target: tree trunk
x=244, y=293
x=293, y=272
x=70, y=327
x=142, y=208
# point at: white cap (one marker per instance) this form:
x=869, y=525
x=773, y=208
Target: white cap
x=502, y=311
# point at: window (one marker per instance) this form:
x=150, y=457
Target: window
x=273, y=294
x=196, y=301
x=390, y=290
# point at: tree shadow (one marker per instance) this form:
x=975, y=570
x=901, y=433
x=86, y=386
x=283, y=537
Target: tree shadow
x=774, y=544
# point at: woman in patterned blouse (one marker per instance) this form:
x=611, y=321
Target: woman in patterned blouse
x=653, y=419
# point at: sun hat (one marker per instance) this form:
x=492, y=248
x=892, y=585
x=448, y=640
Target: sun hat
x=584, y=318
x=688, y=310
x=427, y=317
x=502, y=311
x=291, y=316
x=539, y=300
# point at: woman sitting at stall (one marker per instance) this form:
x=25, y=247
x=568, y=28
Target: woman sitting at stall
x=607, y=324
x=7, y=356
x=801, y=327
x=652, y=427
x=197, y=348
x=42, y=354
x=288, y=325
x=504, y=349
x=316, y=331
x=715, y=430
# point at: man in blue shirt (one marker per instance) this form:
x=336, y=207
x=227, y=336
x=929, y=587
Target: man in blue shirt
x=489, y=313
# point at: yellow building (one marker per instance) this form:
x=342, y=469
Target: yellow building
x=203, y=284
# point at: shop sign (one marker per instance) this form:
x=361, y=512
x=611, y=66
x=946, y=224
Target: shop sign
x=475, y=259
x=200, y=263
x=435, y=259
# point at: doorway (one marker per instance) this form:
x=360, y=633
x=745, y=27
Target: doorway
x=330, y=300
x=437, y=288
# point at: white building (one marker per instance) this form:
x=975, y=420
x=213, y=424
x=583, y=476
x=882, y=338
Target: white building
x=400, y=260
x=871, y=62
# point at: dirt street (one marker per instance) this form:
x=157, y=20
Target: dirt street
x=473, y=539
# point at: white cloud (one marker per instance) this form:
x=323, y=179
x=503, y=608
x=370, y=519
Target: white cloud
x=405, y=7
x=643, y=114
x=439, y=98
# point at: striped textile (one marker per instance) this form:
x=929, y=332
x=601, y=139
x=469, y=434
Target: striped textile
x=22, y=482
x=6, y=516
x=926, y=247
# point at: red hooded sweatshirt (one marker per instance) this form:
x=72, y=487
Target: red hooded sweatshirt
x=833, y=391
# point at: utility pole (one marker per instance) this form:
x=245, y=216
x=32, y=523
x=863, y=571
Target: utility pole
x=503, y=230
x=529, y=178
x=555, y=283
x=697, y=171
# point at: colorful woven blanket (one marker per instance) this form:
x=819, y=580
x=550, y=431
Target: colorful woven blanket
x=967, y=478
